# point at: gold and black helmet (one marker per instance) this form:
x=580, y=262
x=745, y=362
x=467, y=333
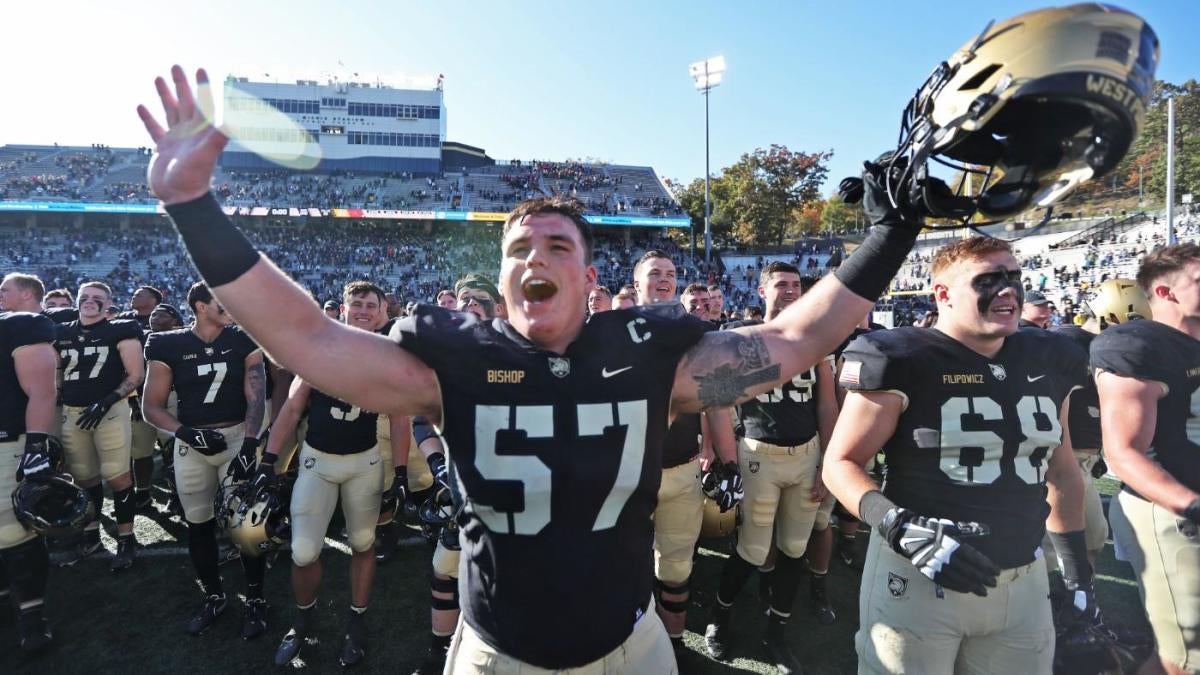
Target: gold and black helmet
x=1119, y=301
x=1037, y=105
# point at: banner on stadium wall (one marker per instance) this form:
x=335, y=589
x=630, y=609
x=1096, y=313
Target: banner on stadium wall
x=293, y=212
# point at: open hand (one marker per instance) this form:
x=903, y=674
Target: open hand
x=186, y=152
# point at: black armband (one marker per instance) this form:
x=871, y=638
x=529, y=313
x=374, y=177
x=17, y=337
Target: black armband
x=869, y=270
x=873, y=507
x=268, y=459
x=218, y=249
x=1071, y=548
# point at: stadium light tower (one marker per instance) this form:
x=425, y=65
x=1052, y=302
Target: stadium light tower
x=707, y=74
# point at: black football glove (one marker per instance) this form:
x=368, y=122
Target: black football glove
x=135, y=410
x=399, y=490
x=42, y=454
x=263, y=475
x=93, y=415
x=723, y=485
x=203, y=441
x=932, y=545
x=1099, y=468
x=439, y=469
x=242, y=466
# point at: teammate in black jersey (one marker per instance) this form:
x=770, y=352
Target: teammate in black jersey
x=27, y=450
x=26, y=293
x=217, y=372
x=554, y=423
x=339, y=458
x=480, y=297
x=101, y=365
x=1148, y=378
x=58, y=298
x=781, y=436
x=679, y=513
x=972, y=419
x=143, y=302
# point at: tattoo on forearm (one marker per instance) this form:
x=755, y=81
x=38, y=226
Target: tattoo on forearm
x=126, y=388
x=726, y=364
x=256, y=377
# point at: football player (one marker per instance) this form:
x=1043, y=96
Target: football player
x=971, y=416
x=599, y=300
x=28, y=367
x=166, y=317
x=143, y=302
x=554, y=423
x=101, y=366
x=781, y=436
x=680, y=510
x=217, y=373
x=57, y=299
x=24, y=293
x=1148, y=375
x=339, y=458
x=716, y=304
x=625, y=298
x=1117, y=301
x=479, y=297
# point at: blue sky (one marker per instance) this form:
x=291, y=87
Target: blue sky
x=546, y=80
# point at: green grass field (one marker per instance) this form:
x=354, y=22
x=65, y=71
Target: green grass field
x=134, y=622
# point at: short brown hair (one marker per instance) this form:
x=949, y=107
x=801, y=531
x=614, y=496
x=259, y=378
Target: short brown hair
x=362, y=288
x=650, y=255
x=603, y=289
x=1164, y=261
x=627, y=291
x=775, y=268
x=971, y=248
x=27, y=282
x=694, y=288
x=96, y=284
x=568, y=207
x=59, y=293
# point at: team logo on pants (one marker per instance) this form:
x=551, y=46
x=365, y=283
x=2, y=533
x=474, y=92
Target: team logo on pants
x=753, y=467
x=897, y=584
x=310, y=462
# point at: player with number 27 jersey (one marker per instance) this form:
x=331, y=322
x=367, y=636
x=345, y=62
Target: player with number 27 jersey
x=549, y=446
x=975, y=433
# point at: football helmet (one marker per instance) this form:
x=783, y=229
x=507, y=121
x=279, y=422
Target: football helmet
x=1037, y=105
x=441, y=508
x=717, y=524
x=257, y=518
x=52, y=504
x=1119, y=301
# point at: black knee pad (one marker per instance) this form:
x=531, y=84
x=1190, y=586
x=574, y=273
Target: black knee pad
x=450, y=586
x=673, y=606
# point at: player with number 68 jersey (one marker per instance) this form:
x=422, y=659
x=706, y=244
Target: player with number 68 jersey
x=971, y=418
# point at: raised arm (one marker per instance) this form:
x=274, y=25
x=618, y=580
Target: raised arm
x=356, y=366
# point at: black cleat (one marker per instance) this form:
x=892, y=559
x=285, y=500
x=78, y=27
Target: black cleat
x=289, y=647
x=716, y=639
x=227, y=553
x=35, y=634
x=143, y=503
x=847, y=552
x=84, y=548
x=254, y=618
x=126, y=550
x=821, y=608
x=355, y=646
x=780, y=655
x=213, y=606
x=764, y=592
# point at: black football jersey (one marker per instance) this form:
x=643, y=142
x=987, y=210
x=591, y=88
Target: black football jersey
x=682, y=441
x=558, y=459
x=973, y=441
x=208, y=377
x=17, y=329
x=91, y=363
x=785, y=415
x=337, y=427
x=1150, y=350
x=61, y=315
x=143, y=321
x=1083, y=418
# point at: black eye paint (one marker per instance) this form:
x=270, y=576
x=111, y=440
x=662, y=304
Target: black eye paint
x=991, y=284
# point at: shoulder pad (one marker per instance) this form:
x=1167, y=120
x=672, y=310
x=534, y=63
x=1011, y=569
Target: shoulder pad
x=1134, y=349
x=25, y=328
x=879, y=360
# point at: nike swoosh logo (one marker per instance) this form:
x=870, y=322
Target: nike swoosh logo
x=226, y=351
x=1034, y=379
x=374, y=463
x=606, y=373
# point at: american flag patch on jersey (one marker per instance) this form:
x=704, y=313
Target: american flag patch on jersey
x=850, y=372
